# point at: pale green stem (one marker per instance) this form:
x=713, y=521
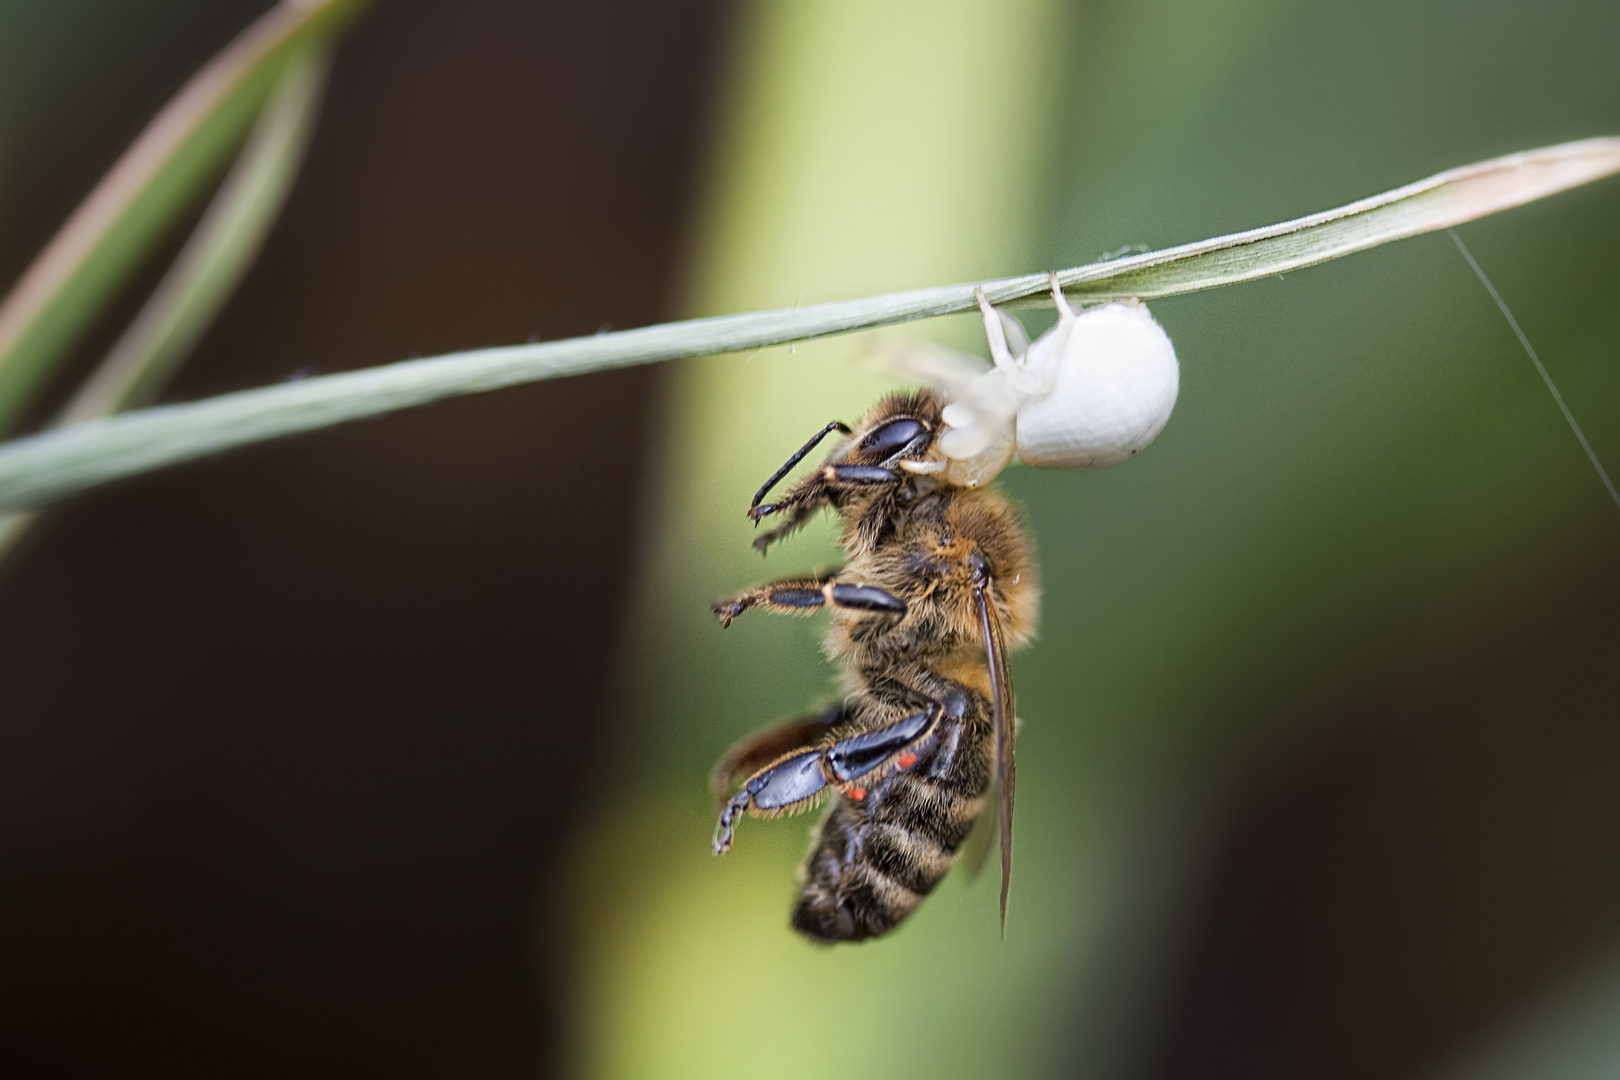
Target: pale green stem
x=45, y=467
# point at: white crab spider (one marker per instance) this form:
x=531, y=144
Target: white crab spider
x=1092, y=391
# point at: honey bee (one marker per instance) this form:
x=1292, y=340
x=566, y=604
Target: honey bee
x=939, y=583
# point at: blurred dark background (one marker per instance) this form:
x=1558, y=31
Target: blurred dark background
x=288, y=740
x=1378, y=900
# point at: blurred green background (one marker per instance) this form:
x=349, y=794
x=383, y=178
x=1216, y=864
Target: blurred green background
x=1320, y=745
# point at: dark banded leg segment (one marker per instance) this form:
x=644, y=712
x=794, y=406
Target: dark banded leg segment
x=812, y=493
x=796, y=596
x=851, y=764
x=787, y=786
x=822, y=485
x=760, y=749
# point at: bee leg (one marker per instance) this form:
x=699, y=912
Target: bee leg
x=824, y=486
x=794, y=595
x=763, y=747
x=799, y=595
x=859, y=756
x=803, y=499
x=874, y=754
x=902, y=743
x=802, y=774
x=781, y=788
x=795, y=520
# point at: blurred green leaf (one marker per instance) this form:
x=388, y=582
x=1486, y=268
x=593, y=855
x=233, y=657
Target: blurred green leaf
x=220, y=250
x=57, y=298
x=46, y=467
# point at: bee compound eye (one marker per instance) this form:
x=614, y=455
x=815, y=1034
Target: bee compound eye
x=891, y=437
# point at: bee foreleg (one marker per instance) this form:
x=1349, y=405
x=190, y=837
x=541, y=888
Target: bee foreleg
x=823, y=486
x=800, y=514
x=799, y=595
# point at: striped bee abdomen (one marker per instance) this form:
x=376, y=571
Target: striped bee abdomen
x=874, y=859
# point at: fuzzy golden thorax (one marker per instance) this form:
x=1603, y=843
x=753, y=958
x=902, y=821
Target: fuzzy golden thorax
x=925, y=559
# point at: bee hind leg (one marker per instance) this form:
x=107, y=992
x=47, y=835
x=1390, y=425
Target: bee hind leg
x=781, y=788
x=870, y=755
x=796, y=778
x=758, y=750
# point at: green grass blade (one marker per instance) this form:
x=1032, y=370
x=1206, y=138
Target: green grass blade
x=221, y=248
x=36, y=470
x=58, y=296
x=1439, y=202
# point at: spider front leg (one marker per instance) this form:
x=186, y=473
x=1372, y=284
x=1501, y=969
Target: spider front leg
x=795, y=596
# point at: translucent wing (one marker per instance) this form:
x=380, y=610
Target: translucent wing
x=1001, y=710
x=976, y=848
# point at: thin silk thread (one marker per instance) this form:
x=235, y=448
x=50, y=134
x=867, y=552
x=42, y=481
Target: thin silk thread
x=1540, y=367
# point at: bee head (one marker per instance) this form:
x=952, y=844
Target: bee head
x=898, y=438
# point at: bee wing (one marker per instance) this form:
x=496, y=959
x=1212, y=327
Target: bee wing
x=976, y=848
x=1001, y=711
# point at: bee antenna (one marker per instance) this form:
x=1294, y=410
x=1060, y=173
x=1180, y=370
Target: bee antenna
x=836, y=425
